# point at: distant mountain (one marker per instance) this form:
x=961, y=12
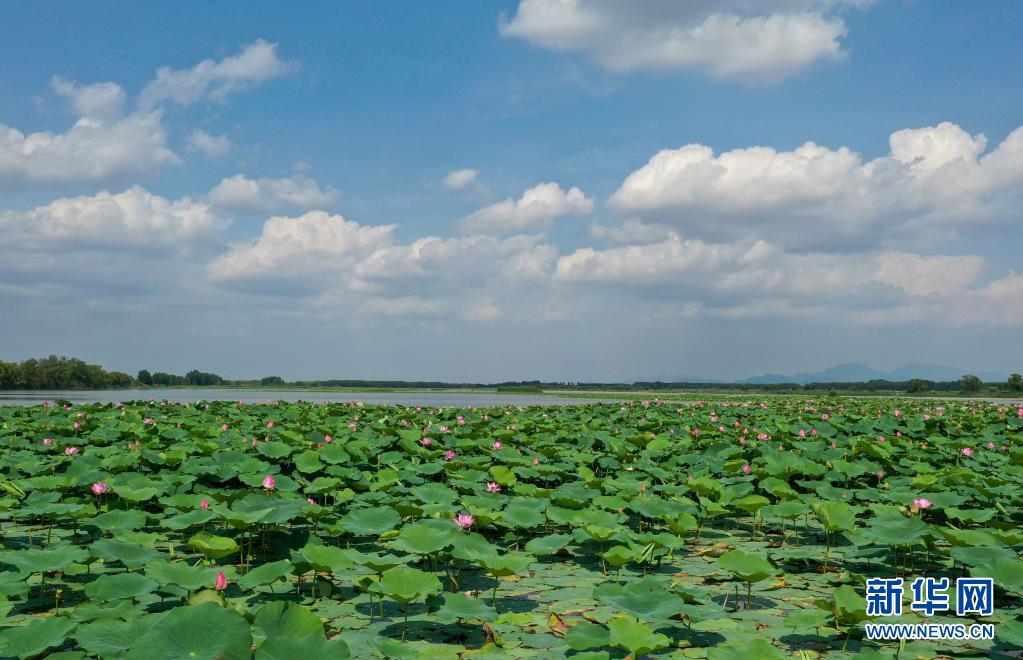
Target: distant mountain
x=858, y=373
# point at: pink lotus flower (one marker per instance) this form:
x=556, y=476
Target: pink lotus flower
x=990, y=445
x=71, y=451
x=270, y=424
x=448, y=455
x=825, y=417
x=353, y=426
x=966, y=451
x=47, y=441
x=327, y=438
x=879, y=474
x=897, y=413
x=77, y=426
x=269, y=483
x=464, y=520
x=536, y=460
x=99, y=488
x=204, y=505
x=492, y=487
x=426, y=442
x=148, y=421
x=221, y=582
x=496, y=445
x=695, y=433
x=762, y=436
x=310, y=500
x=921, y=503
x=443, y=429
x=746, y=468
x=802, y=433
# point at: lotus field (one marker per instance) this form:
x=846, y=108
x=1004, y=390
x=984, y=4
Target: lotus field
x=722, y=529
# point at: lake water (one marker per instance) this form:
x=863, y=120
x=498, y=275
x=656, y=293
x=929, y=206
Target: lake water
x=434, y=399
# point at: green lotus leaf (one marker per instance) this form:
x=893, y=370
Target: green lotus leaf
x=407, y=584
x=284, y=619
x=132, y=555
x=203, y=632
x=213, y=546
x=648, y=599
x=36, y=637
x=325, y=558
x=370, y=522
x=835, y=516
x=755, y=648
x=425, y=537
x=113, y=637
x=289, y=648
x=36, y=560
x=457, y=606
x=121, y=585
x=266, y=574
x=547, y=545
x=586, y=635
x=180, y=574
x=1006, y=573
x=747, y=567
x=635, y=637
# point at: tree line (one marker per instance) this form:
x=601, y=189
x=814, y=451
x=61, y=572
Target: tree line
x=67, y=373
x=60, y=373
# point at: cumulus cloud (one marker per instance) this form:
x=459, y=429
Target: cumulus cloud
x=264, y=195
x=301, y=248
x=134, y=219
x=211, y=145
x=98, y=100
x=461, y=179
x=935, y=177
x=756, y=278
x=762, y=41
x=257, y=62
x=95, y=149
x=535, y=210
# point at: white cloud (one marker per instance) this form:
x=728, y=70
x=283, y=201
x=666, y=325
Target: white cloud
x=93, y=150
x=99, y=100
x=757, y=278
x=242, y=194
x=535, y=210
x=211, y=145
x=761, y=41
x=302, y=248
x=210, y=79
x=934, y=178
x=135, y=219
x=461, y=179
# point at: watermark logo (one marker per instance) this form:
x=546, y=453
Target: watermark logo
x=930, y=596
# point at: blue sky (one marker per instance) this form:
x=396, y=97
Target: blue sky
x=476, y=193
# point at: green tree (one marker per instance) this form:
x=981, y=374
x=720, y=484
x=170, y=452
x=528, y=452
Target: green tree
x=145, y=377
x=1014, y=383
x=917, y=385
x=971, y=384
